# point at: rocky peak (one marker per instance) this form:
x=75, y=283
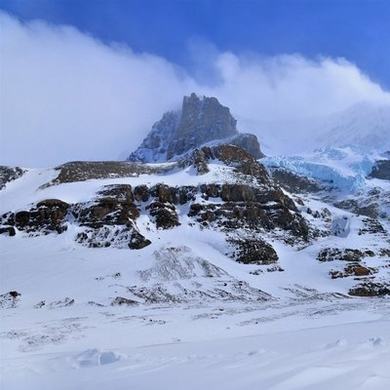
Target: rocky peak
x=201, y=120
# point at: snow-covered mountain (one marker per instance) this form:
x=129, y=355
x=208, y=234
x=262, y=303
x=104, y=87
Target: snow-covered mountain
x=200, y=121
x=170, y=274
x=366, y=125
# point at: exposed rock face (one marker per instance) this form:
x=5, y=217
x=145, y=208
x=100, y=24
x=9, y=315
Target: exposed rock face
x=155, y=146
x=45, y=217
x=374, y=204
x=248, y=142
x=121, y=301
x=254, y=251
x=110, y=220
x=8, y=174
x=165, y=215
x=354, y=269
x=8, y=230
x=86, y=170
x=370, y=289
x=243, y=162
x=294, y=183
x=369, y=210
x=355, y=255
x=244, y=209
x=200, y=121
x=115, y=207
x=372, y=226
x=381, y=170
x=9, y=300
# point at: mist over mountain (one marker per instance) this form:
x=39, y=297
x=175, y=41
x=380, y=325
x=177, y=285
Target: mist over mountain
x=199, y=121
x=80, y=98
x=365, y=124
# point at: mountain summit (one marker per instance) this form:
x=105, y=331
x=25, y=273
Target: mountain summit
x=201, y=120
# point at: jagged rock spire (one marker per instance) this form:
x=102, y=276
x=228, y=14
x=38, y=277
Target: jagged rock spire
x=201, y=120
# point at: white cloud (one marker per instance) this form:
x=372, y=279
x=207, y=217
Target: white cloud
x=65, y=95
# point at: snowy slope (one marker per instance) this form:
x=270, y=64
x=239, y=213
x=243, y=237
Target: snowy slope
x=227, y=325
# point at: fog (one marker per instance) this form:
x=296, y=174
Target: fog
x=67, y=96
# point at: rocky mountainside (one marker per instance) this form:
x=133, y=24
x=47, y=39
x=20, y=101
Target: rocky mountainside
x=201, y=120
x=261, y=218
x=213, y=245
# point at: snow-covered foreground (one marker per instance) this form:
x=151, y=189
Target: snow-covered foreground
x=344, y=344
x=301, y=339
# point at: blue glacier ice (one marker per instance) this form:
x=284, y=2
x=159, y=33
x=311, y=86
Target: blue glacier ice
x=344, y=169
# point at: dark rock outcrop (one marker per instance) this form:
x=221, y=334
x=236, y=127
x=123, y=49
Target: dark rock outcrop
x=8, y=174
x=87, y=170
x=10, y=299
x=110, y=219
x=202, y=120
x=254, y=251
x=381, y=170
x=120, y=236
x=138, y=241
x=46, y=217
x=355, y=255
x=248, y=142
x=372, y=226
x=354, y=269
x=122, y=301
x=294, y=183
x=370, y=210
x=243, y=162
x=370, y=289
x=105, y=211
x=141, y=193
x=164, y=214
x=8, y=230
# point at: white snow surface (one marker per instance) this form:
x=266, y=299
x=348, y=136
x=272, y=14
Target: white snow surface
x=307, y=334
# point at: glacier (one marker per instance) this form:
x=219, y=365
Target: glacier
x=341, y=168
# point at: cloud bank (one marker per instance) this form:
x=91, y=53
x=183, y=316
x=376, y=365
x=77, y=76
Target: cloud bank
x=66, y=96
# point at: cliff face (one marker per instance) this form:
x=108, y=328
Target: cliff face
x=381, y=170
x=154, y=147
x=201, y=120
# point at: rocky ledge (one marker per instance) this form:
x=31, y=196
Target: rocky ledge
x=246, y=211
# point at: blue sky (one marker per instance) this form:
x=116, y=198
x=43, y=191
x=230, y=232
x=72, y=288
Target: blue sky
x=94, y=89
x=355, y=29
